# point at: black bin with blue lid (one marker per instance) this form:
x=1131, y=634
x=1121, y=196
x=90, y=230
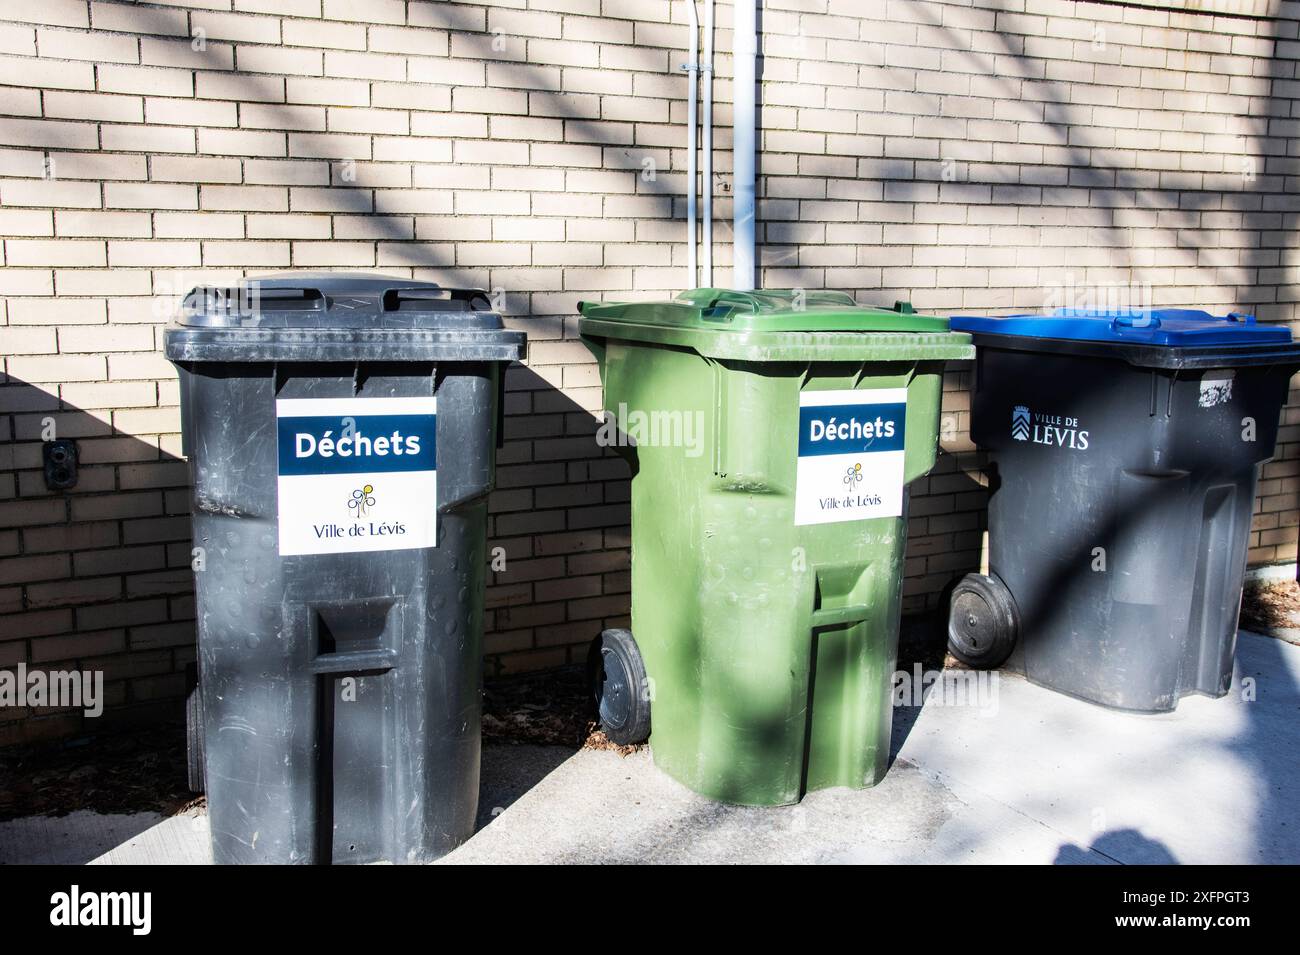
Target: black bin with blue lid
x=1124, y=449
x=341, y=432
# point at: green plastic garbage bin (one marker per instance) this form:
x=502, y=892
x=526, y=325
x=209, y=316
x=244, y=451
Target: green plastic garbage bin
x=772, y=436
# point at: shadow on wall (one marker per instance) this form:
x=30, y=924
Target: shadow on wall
x=96, y=577
x=99, y=577
x=1261, y=192
x=560, y=520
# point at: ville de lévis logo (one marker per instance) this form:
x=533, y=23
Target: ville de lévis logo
x=362, y=500
x=1020, y=423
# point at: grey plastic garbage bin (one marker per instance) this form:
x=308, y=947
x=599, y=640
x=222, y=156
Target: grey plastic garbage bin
x=1125, y=449
x=341, y=433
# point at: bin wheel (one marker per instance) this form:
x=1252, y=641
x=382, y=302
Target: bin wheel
x=982, y=622
x=619, y=687
x=194, y=740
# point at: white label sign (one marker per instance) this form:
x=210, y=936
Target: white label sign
x=850, y=455
x=357, y=474
x=1216, y=388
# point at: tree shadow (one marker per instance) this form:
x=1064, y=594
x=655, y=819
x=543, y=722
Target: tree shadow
x=1121, y=846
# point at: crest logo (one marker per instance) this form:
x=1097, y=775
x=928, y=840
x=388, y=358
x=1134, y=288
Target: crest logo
x=1020, y=423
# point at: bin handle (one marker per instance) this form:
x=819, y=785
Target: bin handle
x=206, y=298
x=1241, y=317
x=311, y=297
x=355, y=661
x=473, y=297
x=280, y=292
x=1141, y=320
x=840, y=616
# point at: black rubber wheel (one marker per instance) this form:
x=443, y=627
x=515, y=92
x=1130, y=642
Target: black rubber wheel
x=194, y=739
x=619, y=687
x=982, y=622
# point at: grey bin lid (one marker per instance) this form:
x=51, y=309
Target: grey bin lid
x=339, y=316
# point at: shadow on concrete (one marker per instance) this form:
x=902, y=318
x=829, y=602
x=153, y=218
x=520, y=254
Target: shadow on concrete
x=509, y=771
x=1268, y=687
x=74, y=839
x=1121, y=846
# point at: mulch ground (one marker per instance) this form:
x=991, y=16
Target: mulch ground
x=135, y=770
x=1274, y=605
x=923, y=639
x=548, y=709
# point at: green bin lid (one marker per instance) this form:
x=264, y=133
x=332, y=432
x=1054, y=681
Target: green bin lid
x=777, y=325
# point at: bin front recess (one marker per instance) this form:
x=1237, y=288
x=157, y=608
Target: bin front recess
x=775, y=434
x=1125, y=449
x=341, y=432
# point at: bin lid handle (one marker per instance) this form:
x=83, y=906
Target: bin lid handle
x=1241, y=317
x=284, y=292
x=475, y=298
x=1135, y=320
x=215, y=298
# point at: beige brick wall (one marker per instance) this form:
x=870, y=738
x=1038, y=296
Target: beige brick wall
x=967, y=156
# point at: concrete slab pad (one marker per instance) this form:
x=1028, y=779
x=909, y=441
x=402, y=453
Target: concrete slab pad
x=1213, y=782
x=73, y=839
x=178, y=840
x=1036, y=778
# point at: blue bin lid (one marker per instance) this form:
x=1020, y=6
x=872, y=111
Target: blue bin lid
x=1171, y=327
